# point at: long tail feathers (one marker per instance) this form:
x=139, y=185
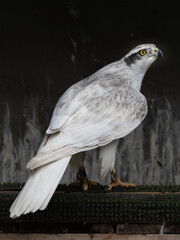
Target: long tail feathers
x=39, y=188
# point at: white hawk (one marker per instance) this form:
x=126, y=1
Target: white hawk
x=94, y=112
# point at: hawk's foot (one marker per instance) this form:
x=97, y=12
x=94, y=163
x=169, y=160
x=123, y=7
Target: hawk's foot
x=82, y=177
x=115, y=181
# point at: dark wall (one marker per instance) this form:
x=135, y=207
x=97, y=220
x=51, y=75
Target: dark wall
x=45, y=48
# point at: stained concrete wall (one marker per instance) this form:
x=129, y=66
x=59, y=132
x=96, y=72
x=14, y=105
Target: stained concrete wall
x=46, y=48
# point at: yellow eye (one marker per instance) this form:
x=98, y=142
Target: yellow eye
x=142, y=52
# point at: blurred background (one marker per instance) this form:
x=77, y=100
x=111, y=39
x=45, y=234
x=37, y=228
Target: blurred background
x=47, y=47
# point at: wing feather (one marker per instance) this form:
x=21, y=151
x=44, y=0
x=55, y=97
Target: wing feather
x=96, y=122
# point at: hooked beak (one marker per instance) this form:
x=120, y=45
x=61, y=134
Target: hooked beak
x=159, y=53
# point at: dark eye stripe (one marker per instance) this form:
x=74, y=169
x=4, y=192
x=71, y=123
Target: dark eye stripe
x=132, y=59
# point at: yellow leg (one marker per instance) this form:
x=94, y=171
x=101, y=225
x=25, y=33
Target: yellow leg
x=82, y=177
x=117, y=182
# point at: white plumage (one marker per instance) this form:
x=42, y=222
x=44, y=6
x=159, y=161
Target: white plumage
x=39, y=188
x=92, y=113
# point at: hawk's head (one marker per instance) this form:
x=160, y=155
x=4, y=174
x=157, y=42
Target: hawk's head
x=142, y=56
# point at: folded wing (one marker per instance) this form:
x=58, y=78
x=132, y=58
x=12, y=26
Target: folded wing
x=93, y=120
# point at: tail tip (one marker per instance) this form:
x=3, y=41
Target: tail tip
x=13, y=215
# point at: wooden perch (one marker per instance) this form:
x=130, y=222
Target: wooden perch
x=69, y=205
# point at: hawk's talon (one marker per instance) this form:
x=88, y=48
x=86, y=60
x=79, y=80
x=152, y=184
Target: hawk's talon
x=82, y=177
x=118, y=182
x=115, y=181
x=106, y=188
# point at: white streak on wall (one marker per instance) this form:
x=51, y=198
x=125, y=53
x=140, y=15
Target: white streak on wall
x=7, y=153
x=16, y=152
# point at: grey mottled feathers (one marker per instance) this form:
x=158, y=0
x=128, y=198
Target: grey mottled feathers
x=62, y=111
x=108, y=108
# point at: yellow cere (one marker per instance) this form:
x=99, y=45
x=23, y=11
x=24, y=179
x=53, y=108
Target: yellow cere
x=156, y=49
x=142, y=52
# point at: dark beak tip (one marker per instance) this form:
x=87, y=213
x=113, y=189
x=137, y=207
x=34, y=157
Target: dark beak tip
x=159, y=53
